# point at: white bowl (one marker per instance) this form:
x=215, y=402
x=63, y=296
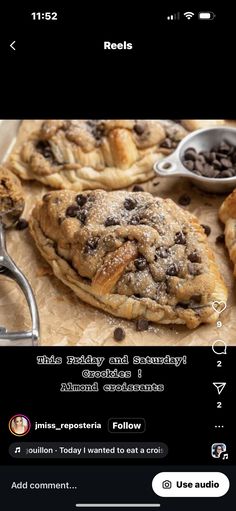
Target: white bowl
x=200, y=140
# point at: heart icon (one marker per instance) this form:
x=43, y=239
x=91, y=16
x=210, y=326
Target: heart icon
x=218, y=306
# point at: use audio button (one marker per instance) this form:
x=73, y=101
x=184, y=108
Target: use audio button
x=190, y=484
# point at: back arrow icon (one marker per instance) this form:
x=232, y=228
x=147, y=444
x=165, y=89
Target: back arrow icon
x=12, y=45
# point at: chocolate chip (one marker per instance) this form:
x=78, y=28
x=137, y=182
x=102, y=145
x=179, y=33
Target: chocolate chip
x=22, y=224
x=208, y=170
x=227, y=173
x=207, y=229
x=190, y=154
x=211, y=156
x=189, y=164
x=98, y=132
x=81, y=199
x=139, y=128
x=135, y=220
x=184, y=200
x=192, y=149
x=180, y=238
x=142, y=324
x=183, y=305
x=111, y=220
x=216, y=164
x=140, y=263
x=72, y=211
x=216, y=173
x=198, y=166
x=91, y=244
x=82, y=216
x=219, y=156
x=109, y=242
x=206, y=155
x=172, y=270
x=220, y=239
x=201, y=158
x=167, y=143
x=130, y=203
x=44, y=148
x=194, y=269
x=194, y=257
x=224, y=148
x=226, y=163
x=119, y=334
x=162, y=252
x=138, y=188
x=196, y=298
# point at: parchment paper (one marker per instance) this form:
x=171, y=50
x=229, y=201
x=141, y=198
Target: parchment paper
x=65, y=320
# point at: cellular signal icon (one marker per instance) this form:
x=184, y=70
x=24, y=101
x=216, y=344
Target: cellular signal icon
x=173, y=17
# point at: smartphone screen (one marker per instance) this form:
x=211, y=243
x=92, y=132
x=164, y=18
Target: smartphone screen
x=117, y=259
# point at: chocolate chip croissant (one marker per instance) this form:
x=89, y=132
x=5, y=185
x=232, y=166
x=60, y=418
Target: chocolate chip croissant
x=108, y=154
x=130, y=254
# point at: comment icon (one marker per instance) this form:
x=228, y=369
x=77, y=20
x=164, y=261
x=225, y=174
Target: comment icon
x=219, y=347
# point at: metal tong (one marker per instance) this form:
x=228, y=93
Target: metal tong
x=9, y=268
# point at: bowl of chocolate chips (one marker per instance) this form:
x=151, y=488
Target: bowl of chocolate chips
x=207, y=157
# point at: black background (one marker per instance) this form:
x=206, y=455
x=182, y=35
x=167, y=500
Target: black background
x=183, y=417
x=59, y=69
x=176, y=70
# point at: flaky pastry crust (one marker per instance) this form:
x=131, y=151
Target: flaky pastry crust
x=79, y=155
x=130, y=254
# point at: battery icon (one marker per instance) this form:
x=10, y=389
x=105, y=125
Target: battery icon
x=206, y=15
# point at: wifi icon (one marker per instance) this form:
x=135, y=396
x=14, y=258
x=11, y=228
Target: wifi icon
x=188, y=15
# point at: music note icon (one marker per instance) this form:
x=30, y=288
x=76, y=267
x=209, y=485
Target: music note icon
x=17, y=450
x=225, y=456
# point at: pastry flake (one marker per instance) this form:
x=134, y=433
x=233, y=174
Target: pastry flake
x=130, y=254
x=109, y=154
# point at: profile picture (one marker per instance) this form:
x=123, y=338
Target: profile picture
x=19, y=425
x=217, y=450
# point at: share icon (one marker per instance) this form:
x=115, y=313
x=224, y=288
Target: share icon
x=219, y=386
